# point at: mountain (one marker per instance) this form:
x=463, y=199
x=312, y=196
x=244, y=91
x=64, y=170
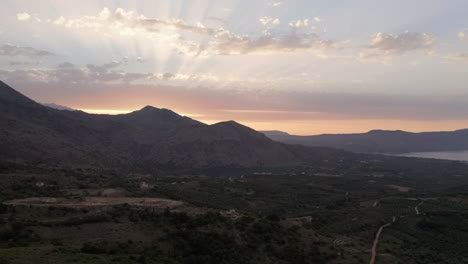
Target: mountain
x=150, y=139
x=59, y=107
x=383, y=141
x=274, y=133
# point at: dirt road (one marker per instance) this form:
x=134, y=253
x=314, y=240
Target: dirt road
x=376, y=242
x=416, y=208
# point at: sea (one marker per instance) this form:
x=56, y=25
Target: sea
x=447, y=155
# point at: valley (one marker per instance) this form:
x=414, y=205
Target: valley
x=152, y=186
x=301, y=216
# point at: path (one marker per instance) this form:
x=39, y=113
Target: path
x=416, y=208
x=376, y=242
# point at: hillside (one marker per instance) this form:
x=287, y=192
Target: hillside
x=151, y=139
x=382, y=141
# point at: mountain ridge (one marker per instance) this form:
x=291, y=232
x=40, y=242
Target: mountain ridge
x=151, y=138
x=383, y=141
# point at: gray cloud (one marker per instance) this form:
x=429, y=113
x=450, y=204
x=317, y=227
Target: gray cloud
x=168, y=76
x=17, y=51
x=68, y=73
x=66, y=65
x=230, y=44
x=16, y=63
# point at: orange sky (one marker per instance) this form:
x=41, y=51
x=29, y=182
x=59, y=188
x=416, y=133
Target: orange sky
x=314, y=127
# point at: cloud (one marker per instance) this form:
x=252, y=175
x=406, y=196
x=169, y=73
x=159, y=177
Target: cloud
x=15, y=63
x=462, y=36
x=459, y=57
x=299, y=23
x=197, y=40
x=23, y=16
x=268, y=20
x=168, y=76
x=66, y=65
x=385, y=46
x=275, y=4
x=141, y=59
x=231, y=44
x=401, y=43
x=248, y=104
x=68, y=73
x=130, y=22
x=16, y=51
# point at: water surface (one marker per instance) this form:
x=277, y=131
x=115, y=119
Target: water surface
x=448, y=155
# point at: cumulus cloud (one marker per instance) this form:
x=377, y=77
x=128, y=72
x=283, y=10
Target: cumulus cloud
x=17, y=51
x=23, y=16
x=385, y=45
x=197, y=39
x=268, y=20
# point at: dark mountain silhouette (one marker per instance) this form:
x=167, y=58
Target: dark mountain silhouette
x=150, y=139
x=383, y=141
x=58, y=107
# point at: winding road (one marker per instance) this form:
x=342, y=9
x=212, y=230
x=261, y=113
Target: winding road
x=416, y=208
x=376, y=242
x=379, y=232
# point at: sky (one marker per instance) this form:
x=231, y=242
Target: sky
x=301, y=66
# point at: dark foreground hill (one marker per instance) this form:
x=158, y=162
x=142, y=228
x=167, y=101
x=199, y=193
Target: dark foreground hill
x=382, y=141
x=150, y=139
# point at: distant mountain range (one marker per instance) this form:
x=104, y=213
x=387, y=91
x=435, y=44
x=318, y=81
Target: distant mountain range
x=150, y=139
x=381, y=141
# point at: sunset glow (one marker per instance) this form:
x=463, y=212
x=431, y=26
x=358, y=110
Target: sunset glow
x=305, y=67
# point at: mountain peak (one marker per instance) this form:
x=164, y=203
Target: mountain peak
x=231, y=124
x=148, y=108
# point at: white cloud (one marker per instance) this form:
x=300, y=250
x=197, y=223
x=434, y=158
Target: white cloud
x=197, y=40
x=275, y=4
x=462, y=36
x=60, y=21
x=23, y=16
x=140, y=59
x=299, y=23
x=268, y=20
